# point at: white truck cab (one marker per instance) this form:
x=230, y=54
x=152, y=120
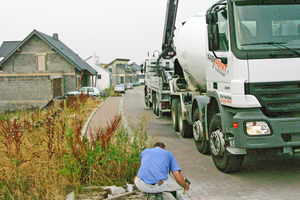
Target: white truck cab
x=240, y=63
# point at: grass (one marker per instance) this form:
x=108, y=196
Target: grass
x=44, y=156
x=111, y=92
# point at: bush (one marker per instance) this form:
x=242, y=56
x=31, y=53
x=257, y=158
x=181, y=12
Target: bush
x=111, y=92
x=44, y=156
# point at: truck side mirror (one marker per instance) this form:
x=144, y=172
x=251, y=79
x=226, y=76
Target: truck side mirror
x=213, y=37
x=211, y=18
x=142, y=68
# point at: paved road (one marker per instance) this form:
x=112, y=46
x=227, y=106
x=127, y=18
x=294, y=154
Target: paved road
x=262, y=177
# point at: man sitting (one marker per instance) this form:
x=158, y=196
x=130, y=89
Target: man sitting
x=152, y=177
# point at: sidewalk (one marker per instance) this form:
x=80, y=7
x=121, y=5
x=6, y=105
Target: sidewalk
x=103, y=114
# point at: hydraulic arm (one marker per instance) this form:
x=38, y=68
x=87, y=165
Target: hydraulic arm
x=168, y=35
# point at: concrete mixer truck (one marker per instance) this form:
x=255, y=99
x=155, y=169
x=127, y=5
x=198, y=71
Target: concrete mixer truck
x=236, y=85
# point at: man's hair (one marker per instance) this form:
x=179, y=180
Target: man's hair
x=159, y=144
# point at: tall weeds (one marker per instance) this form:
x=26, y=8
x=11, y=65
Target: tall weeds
x=44, y=156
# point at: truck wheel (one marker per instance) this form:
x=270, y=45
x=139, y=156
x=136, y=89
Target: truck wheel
x=146, y=101
x=145, y=96
x=154, y=104
x=184, y=127
x=174, y=113
x=201, y=142
x=224, y=161
x=157, y=106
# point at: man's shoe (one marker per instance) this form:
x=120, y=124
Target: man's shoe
x=150, y=196
x=159, y=196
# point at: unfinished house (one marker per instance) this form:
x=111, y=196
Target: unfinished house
x=38, y=69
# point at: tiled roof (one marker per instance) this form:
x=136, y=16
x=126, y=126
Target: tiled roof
x=135, y=67
x=59, y=47
x=125, y=67
x=7, y=47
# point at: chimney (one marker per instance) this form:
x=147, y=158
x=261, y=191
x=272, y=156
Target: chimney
x=55, y=36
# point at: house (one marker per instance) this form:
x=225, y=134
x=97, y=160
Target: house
x=139, y=75
x=121, y=71
x=104, y=78
x=38, y=69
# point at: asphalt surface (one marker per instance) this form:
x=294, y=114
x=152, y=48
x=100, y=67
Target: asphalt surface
x=263, y=176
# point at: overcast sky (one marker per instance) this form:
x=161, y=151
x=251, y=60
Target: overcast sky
x=108, y=28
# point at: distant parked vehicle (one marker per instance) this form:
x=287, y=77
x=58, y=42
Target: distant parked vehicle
x=92, y=91
x=136, y=83
x=120, y=88
x=124, y=85
x=129, y=86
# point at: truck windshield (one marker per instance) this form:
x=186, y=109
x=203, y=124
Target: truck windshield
x=257, y=26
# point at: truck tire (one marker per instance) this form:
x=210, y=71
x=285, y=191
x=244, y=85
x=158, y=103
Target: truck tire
x=146, y=101
x=174, y=113
x=145, y=98
x=157, y=106
x=154, y=103
x=184, y=127
x=224, y=161
x=201, y=142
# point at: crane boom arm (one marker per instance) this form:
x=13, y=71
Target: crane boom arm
x=167, y=43
x=168, y=51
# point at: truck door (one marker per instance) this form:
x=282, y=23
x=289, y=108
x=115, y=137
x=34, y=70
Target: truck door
x=221, y=57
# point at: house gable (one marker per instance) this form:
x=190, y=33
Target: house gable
x=104, y=76
x=122, y=72
x=35, y=71
x=118, y=61
x=57, y=46
x=25, y=59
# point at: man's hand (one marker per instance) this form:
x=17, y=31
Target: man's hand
x=180, y=180
x=187, y=185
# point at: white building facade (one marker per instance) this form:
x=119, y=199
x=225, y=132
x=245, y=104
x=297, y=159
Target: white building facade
x=104, y=77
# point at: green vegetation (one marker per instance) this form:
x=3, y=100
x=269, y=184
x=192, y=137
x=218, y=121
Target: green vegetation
x=111, y=92
x=44, y=156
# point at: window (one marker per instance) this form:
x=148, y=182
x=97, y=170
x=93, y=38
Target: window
x=223, y=30
x=286, y=28
x=90, y=90
x=246, y=31
x=41, y=61
x=99, y=76
x=82, y=90
x=258, y=26
x=1, y=68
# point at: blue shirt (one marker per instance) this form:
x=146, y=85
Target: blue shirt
x=156, y=164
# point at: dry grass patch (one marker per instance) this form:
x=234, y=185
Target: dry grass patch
x=44, y=156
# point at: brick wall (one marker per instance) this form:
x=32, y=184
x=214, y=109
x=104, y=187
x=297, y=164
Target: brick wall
x=21, y=85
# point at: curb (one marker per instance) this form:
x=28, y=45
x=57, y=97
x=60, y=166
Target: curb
x=181, y=196
x=87, y=123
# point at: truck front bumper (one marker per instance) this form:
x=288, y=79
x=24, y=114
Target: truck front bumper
x=285, y=132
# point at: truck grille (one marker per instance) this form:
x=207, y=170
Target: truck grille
x=278, y=99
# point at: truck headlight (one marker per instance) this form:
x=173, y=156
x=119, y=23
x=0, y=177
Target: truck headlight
x=258, y=128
